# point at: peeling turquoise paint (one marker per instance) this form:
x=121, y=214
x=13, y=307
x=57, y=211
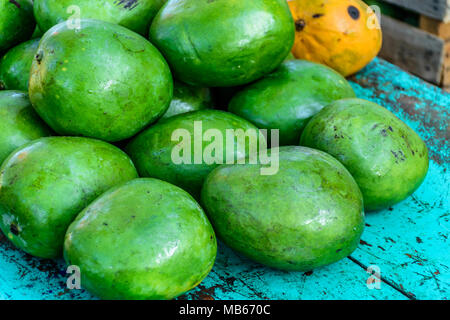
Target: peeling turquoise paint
x=409, y=242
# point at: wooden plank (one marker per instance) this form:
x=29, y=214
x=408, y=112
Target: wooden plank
x=446, y=73
x=442, y=30
x=414, y=50
x=235, y=277
x=437, y=9
x=410, y=241
x=23, y=277
x=439, y=28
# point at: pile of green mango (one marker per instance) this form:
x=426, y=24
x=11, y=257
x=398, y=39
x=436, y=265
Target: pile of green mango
x=133, y=132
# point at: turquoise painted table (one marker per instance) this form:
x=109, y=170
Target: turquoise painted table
x=408, y=244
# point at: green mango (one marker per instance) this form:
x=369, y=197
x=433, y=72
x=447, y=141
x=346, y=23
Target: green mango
x=187, y=98
x=152, y=150
x=223, y=43
x=16, y=22
x=19, y=123
x=307, y=215
x=135, y=15
x=289, y=97
x=102, y=81
x=15, y=66
x=47, y=182
x=144, y=239
x=387, y=158
x=38, y=33
x=289, y=57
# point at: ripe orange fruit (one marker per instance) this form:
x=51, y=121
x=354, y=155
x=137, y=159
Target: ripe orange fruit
x=343, y=34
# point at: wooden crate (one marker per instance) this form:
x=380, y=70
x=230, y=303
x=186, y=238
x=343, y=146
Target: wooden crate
x=442, y=30
x=423, y=51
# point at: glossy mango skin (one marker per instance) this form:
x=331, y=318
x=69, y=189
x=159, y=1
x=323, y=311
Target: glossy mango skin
x=19, y=123
x=145, y=239
x=223, y=43
x=387, y=158
x=287, y=98
x=135, y=15
x=47, y=182
x=151, y=150
x=188, y=98
x=342, y=34
x=15, y=66
x=308, y=215
x=16, y=23
x=103, y=81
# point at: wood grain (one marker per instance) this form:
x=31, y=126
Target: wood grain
x=412, y=49
x=442, y=30
x=439, y=28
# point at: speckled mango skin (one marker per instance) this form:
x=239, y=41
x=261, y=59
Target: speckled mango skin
x=342, y=34
x=287, y=98
x=16, y=22
x=145, y=239
x=223, y=43
x=151, y=150
x=15, y=66
x=135, y=15
x=387, y=158
x=308, y=215
x=19, y=123
x=47, y=182
x=103, y=81
x=188, y=98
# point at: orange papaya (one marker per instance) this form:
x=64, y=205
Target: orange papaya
x=342, y=34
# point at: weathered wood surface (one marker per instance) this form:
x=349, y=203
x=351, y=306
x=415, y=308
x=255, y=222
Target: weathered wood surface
x=437, y=9
x=415, y=50
x=408, y=243
x=442, y=30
